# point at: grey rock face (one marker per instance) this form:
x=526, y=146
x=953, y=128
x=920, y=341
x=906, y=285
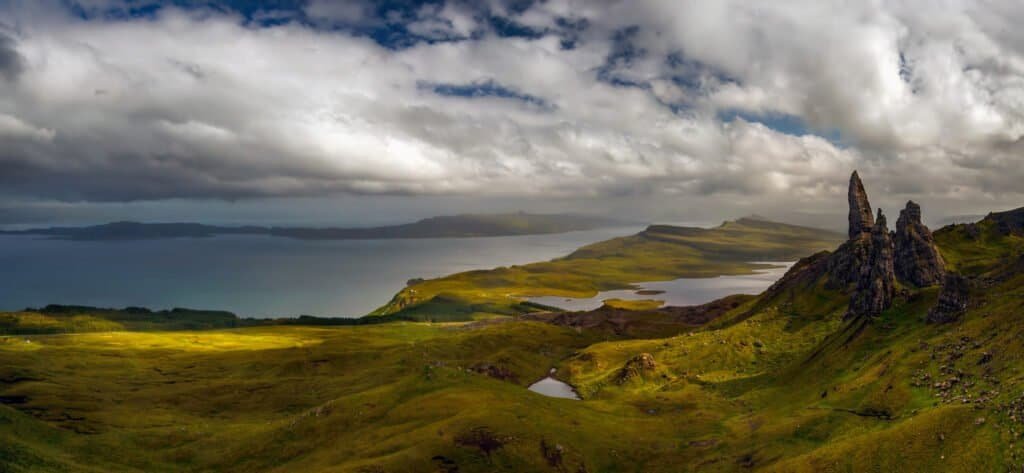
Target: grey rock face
x=844, y=265
x=860, y=209
x=876, y=286
x=952, y=301
x=917, y=258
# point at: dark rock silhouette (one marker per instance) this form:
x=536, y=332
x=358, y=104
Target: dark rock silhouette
x=917, y=258
x=876, y=286
x=952, y=301
x=860, y=209
x=873, y=259
x=1010, y=222
x=844, y=265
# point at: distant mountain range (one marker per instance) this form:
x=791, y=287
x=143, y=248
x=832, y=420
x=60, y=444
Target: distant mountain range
x=452, y=226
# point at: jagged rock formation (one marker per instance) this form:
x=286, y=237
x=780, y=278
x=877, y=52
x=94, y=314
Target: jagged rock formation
x=872, y=260
x=866, y=261
x=844, y=265
x=876, y=286
x=860, y=209
x=917, y=259
x=635, y=368
x=952, y=301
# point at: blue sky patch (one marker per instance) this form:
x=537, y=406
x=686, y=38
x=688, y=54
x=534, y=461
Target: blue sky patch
x=783, y=123
x=480, y=89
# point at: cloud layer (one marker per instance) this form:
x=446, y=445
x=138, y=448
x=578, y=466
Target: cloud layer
x=117, y=101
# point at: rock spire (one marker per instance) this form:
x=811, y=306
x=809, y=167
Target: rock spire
x=860, y=209
x=917, y=258
x=876, y=286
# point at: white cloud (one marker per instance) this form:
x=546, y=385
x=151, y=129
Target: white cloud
x=13, y=127
x=929, y=100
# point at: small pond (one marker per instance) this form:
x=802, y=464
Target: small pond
x=554, y=388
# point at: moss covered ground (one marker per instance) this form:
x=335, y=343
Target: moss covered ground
x=660, y=253
x=779, y=383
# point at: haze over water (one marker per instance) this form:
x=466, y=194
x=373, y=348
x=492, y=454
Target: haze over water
x=254, y=276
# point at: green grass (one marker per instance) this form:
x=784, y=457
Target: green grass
x=659, y=253
x=633, y=304
x=779, y=383
x=74, y=319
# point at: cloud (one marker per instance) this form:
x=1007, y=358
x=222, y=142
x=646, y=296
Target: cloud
x=14, y=128
x=747, y=102
x=444, y=21
x=12, y=64
x=347, y=12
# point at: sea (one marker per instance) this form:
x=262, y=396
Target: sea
x=254, y=276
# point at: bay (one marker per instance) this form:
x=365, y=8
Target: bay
x=254, y=276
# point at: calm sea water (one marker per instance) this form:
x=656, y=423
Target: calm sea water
x=254, y=276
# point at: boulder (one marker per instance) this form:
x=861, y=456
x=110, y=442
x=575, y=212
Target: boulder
x=635, y=368
x=952, y=301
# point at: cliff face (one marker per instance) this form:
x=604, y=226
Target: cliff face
x=917, y=259
x=876, y=285
x=844, y=265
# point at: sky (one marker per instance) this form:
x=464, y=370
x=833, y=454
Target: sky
x=359, y=112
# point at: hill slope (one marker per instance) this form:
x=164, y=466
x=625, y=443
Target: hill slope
x=780, y=382
x=659, y=253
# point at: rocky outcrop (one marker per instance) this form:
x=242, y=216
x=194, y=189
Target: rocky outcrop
x=952, y=301
x=636, y=368
x=860, y=209
x=845, y=263
x=866, y=261
x=917, y=259
x=876, y=286
x=872, y=260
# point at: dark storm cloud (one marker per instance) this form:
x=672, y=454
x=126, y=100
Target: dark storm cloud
x=12, y=64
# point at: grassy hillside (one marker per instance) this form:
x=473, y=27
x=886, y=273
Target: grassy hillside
x=659, y=253
x=76, y=319
x=775, y=383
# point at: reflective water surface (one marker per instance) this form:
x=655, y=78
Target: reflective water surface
x=254, y=276
x=679, y=292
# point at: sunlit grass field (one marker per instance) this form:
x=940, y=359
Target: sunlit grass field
x=779, y=383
